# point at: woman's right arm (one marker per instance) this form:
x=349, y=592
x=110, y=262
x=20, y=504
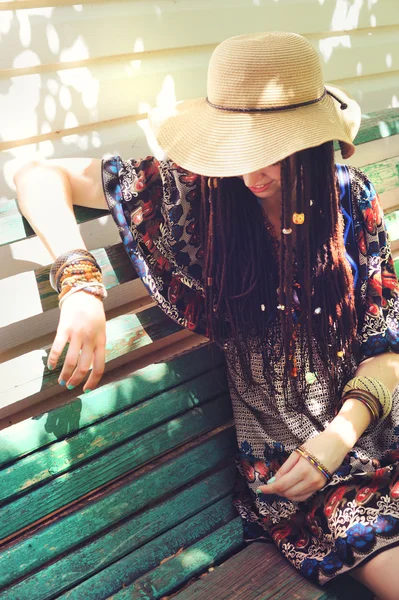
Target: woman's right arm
x=46, y=194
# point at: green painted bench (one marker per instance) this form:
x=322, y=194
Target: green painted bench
x=126, y=492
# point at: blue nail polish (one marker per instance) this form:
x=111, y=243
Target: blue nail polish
x=70, y=386
x=62, y=382
x=259, y=491
x=50, y=367
x=271, y=480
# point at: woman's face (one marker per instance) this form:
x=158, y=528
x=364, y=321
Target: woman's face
x=265, y=182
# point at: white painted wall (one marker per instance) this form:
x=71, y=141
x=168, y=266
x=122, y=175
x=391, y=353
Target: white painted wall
x=78, y=79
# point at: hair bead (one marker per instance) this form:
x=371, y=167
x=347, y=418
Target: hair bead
x=298, y=218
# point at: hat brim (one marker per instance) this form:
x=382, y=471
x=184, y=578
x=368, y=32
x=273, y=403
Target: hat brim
x=221, y=143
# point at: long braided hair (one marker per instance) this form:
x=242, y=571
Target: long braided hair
x=247, y=279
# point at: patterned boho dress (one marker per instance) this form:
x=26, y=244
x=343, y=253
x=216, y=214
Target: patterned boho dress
x=356, y=515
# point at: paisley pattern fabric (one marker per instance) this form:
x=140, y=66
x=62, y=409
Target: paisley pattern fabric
x=155, y=206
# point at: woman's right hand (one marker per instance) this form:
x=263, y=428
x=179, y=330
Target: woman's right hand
x=82, y=325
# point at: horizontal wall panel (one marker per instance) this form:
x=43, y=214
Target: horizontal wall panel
x=64, y=32
x=60, y=100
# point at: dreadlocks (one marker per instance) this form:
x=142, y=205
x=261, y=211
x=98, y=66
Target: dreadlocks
x=244, y=272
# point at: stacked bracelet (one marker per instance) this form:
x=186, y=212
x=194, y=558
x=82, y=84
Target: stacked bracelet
x=314, y=461
x=375, y=387
x=76, y=271
x=66, y=259
x=368, y=399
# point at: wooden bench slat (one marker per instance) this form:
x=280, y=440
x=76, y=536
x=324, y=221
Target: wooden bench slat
x=192, y=561
x=127, y=537
x=257, y=571
x=377, y=125
x=134, y=565
x=384, y=174
x=60, y=457
x=260, y=571
x=69, y=487
x=105, y=401
x=15, y=227
x=126, y=498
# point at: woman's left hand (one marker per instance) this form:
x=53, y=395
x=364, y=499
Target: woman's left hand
x=297, y=479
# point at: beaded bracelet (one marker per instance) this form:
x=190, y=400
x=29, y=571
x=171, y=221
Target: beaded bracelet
x=96, y=289
x=69, y=258
x=313, y=461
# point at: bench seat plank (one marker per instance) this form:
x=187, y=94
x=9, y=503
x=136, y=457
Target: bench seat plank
x=35, y=469
x=126, y=538
x=105, y=401
x=69, y=487
x=184, y=566
x=260, y=571
x=126, y=570
x=125, y=498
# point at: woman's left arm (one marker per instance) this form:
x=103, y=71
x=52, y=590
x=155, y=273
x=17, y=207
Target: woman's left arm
x=297, y=479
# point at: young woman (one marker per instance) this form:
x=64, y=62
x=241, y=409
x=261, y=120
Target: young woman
x=251, y=234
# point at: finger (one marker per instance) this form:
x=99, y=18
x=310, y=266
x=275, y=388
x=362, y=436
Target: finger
x=82, y=366
x=284, y=483
x=70, y=362
x=291, y=461
x=98, y=368
x=56, y=350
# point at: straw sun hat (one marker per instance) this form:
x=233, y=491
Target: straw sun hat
x=266, y=100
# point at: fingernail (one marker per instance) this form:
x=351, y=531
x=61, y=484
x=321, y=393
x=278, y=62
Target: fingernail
x=87, y=390
x=62, y=382
x=271, y=480
x=50, y=367
x=70, y=386
x=259, y=491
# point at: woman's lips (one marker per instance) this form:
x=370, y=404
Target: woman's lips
x=259, y=189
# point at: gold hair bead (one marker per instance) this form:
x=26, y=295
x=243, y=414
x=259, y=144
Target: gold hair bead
x=287, y=231
x=298, y=218
x=340, y=353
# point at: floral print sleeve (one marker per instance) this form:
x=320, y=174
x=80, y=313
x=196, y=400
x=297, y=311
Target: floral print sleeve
x=379, y=288
x=155, y=206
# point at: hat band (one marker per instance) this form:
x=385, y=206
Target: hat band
x=278, y=108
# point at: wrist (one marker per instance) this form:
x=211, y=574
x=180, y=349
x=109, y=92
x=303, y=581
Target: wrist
x=350, y=423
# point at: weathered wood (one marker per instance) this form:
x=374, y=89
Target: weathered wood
x=34, y=470
x=127, y=537
x=134, y=565
x=123, y=500
x=260, y=571
x=257, y=571
x=27, y=374
x=105, y=401
x=69, y=487
x=179, y=569
x=384, y=174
